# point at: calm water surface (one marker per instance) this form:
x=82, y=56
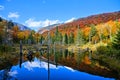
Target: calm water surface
x=38, y=70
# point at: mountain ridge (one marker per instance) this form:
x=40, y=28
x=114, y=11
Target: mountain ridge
x=21, y=26
x=43, y=29
x=87, y=21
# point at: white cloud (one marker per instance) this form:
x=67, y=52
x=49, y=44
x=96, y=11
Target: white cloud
x=13, y=15
x=36, y=24
x=31, y=22
x=1, y=7
x=70, y=20
x=12, y=73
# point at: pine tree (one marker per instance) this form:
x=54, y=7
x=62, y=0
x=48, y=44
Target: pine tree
x=56, y=34
x=60, y=37
x=116, y=41
x=80, y=39
x=31, y=38
x=65, y=39
x=71, y=38
x=0, y=19
x=10, y=24
x=41, y=39
x=93, y=32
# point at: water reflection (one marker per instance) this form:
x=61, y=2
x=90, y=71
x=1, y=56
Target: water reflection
x=7, y=75
x=39, y=70
x=20, y=60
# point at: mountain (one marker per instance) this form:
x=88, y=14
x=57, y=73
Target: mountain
x=44, y=29
x=86, y=21
x=22, y=27
x=11, y=24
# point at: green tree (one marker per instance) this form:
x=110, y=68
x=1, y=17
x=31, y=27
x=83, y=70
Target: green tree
x=60, y=37
x=93, y=32
x=0, y=19
x=116, y=41
x=0, y=39
x=71, y=38
x=31, y=38
x=65, y=39
x=56, y=34
x=41, y=39
x=79, y=40
x=10, y=24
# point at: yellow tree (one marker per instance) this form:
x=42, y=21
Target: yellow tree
x=21, y=35
x=27, y=33
x=37, y=37
x=15, y=31
x=86, y=33
x=100, y=29
x=1, y=31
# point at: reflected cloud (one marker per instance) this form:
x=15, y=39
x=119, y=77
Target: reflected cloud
x=37, y=64
x=29, y=65
x=40, y=64
x=25, y=73
x=70, y=69
x=13, y=73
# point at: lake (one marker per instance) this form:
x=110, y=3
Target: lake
x=40, y=70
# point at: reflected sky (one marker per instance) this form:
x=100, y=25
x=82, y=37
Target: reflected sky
x=38, y=70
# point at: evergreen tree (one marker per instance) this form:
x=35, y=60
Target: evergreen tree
x=71, y=38
x=41, y=39
x=57, y=34
x=0, y=39
x=80, y=40
x=53, y=39
x=10, y=24
x=65, y=39
x=93, y=32
x=0, y=19
x=31, y=38
x=60, y=37
x=116, y=41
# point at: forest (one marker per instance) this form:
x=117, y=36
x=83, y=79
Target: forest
x=95, y=37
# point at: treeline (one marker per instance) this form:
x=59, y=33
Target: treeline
x=104, y=32
x=87, y=21
x=10, y=33
x=107, y=35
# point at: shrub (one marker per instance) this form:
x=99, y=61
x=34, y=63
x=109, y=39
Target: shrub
x=102, y=50
x=109, y=51
x=5, y=48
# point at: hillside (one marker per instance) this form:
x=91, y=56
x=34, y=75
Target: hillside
x=13, y=31
x=43, y=29
x=21, y=26
x=11, y=24
x=86, y=22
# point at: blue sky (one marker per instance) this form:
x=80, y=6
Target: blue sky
x=40, y=13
